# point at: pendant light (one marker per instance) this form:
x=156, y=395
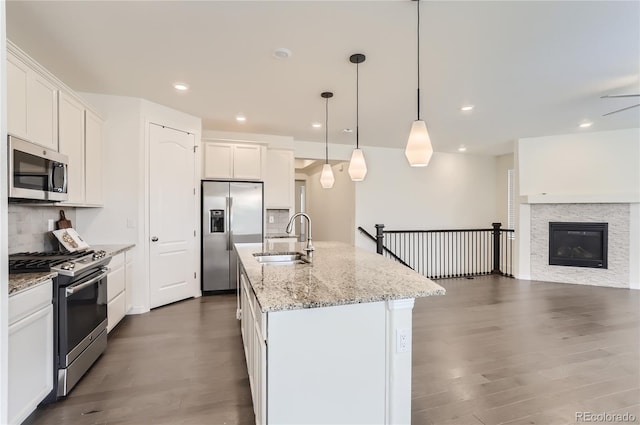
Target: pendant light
x=326, y=178
x=357, y=165
x=419, y=149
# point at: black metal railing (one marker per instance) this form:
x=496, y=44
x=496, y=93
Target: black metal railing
x=449, y=253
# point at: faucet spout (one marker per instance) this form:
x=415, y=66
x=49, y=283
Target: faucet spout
x=289, y=229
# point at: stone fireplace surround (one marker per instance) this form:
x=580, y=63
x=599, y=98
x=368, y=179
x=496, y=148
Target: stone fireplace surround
x=618, y=215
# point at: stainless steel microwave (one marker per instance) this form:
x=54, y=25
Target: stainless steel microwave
x=36, y=173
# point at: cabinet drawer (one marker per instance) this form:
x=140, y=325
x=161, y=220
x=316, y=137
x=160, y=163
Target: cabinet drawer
x=29, y=301
x=116, y=279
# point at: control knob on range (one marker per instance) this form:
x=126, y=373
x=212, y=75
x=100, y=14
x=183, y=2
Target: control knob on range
x=99, y=254
x=67, y=266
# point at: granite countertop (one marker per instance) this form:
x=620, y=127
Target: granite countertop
x=18, y=282
x=113, y=249
x=339, y=274
x=280, y=235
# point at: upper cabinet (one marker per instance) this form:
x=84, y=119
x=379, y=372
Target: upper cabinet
x=232, y=161
x=93, y=159
x=279, y=179
x=43, y=110
x=32, y=106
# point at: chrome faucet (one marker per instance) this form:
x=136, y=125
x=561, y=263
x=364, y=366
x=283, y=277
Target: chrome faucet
x=309, y=247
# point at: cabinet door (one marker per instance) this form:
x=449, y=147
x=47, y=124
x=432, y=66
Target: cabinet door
x=30, y=363
x=218, y=161
x=71, y=143
x=128, y=276
x=279, y=179
x=116, y=279
x=247, y=162
x=42, y=111
x=93, y=159
x=115, y=310
x=16, y=97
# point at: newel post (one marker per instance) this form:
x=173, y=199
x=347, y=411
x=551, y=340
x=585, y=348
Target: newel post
x=496, y=248
x=379, y=238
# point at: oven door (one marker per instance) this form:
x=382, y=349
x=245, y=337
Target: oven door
x=82, y=314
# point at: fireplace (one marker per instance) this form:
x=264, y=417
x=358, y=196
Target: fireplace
x=578, y=244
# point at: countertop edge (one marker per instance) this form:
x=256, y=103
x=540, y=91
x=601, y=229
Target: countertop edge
x=20, y=282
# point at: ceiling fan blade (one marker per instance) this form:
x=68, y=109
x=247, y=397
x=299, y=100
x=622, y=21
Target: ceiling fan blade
x=613, y=96
x=620, y=110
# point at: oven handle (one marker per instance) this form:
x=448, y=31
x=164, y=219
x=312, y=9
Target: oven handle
x=75, y=288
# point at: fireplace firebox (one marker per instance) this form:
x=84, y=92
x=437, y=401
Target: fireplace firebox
x=578, y=244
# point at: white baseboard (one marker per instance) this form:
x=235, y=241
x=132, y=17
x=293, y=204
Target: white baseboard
x=634, y=285
x=523, y=277
x=138, y=310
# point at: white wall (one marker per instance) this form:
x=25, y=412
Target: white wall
x=504, y=163
x=454, y=191
x=583, y=163
x=124, y=218
x=4, y=260
x=332, y=211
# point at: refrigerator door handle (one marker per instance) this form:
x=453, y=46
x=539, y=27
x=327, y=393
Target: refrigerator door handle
x=230, y=246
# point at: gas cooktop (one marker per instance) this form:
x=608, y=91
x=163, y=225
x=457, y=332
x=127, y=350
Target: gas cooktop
x=33, y=262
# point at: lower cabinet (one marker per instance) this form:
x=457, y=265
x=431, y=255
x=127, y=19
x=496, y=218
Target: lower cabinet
x=116, y=297
x=30, y=376
x=255, y=348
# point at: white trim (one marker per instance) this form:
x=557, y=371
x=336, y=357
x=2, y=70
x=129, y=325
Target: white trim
x=405, y=304
x=4, y=215
x=560, y=198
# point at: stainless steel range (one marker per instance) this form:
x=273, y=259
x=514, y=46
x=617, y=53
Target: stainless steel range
x=80, y=310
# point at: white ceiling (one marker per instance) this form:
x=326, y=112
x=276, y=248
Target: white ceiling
x=530, y=68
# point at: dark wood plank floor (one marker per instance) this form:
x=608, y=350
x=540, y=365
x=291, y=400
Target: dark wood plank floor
x=492, y=351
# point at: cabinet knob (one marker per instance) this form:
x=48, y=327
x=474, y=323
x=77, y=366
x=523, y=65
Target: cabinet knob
x=154, y=239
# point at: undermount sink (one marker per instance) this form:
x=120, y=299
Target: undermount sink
x=281, y=259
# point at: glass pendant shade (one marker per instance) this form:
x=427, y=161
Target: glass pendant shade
x=357, y=166
x=419, y=149
x=326, y=177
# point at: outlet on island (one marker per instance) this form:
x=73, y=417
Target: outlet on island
x=271, y=220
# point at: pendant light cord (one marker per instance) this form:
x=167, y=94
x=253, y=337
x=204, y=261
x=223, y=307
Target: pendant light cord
x=326, y=131
x=418, y=6
x=357, y=106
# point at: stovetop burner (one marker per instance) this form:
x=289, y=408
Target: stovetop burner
x=34, y=262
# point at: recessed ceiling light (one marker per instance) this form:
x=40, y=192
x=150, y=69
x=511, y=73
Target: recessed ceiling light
x=282, y=53
x=316, y=125
x=467, y=108
x=586, y=124
x=181, y=86
x=347, y=130
x=241, y=118
x=462, y=148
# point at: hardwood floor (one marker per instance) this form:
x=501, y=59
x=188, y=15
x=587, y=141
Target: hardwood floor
x=492, y=351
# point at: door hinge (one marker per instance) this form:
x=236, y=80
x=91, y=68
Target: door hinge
x=194, y=190
x=194, y=275
x=194, y=233
x=194, y=149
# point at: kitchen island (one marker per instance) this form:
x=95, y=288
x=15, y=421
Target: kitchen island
x=328, y=341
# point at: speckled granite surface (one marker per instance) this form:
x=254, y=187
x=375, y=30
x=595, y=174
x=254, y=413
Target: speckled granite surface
x=339, y=274
x=112, y=250
x=20, y=281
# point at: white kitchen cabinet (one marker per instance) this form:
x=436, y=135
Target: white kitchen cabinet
x=32, y=104
x=279, y=179
x=253, y=331
x=93, y=159
x=116, y=288
x=232, y=161
x=30, y=371
x=128, y=275
x=71, y=142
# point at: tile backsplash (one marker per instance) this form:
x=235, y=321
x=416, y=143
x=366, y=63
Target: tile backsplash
x=280, y=221
x=28, y=227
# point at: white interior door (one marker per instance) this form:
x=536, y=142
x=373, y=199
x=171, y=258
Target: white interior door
x=172, y=204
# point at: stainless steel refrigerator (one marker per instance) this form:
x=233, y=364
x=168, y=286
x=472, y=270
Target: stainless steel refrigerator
x=231, y=213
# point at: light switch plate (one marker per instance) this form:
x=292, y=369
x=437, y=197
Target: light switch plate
x=50, y=225
x=271, y=220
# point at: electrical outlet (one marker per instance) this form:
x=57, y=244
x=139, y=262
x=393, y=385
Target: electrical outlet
x=271, y=219
x=403, y=340
x=50, y=225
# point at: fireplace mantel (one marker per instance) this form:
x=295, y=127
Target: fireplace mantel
x=565, y=198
